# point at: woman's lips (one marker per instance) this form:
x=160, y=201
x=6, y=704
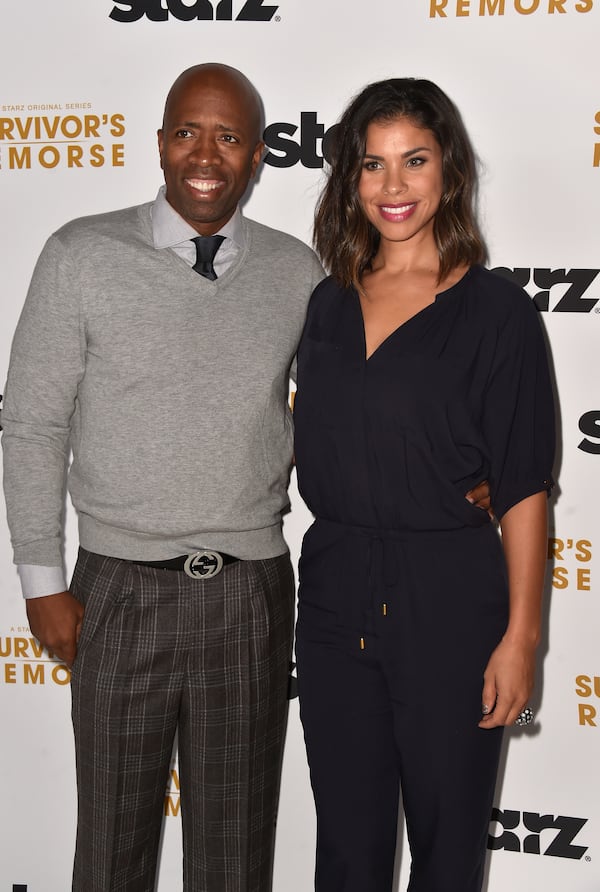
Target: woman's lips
x=397, y=213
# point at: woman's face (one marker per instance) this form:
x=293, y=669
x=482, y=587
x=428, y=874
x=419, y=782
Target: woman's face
x=401, y=183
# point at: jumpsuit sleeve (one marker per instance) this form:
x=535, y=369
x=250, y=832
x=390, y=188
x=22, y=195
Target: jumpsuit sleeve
x=518, y=410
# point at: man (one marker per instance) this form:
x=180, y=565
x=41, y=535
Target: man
x=156, y=343
x=170, y=387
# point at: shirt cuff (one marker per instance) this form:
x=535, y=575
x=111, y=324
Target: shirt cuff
x=39, y=582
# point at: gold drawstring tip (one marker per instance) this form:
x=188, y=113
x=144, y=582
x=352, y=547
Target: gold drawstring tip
x=362, y=643
x=384, y=609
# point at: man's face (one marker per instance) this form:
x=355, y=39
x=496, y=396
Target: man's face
x=209, y=148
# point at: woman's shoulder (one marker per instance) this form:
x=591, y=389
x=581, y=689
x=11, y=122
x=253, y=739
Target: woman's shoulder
x=327, y=294
x=497, y=295
x=329, y=305
x=331, y=288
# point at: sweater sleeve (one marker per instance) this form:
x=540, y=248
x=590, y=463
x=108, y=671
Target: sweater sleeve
x=46, y=366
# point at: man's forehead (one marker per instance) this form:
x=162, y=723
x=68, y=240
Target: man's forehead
x=222, y=103
x=208, y=91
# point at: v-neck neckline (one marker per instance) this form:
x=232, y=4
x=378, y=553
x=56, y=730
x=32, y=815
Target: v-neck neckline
x=403, y=325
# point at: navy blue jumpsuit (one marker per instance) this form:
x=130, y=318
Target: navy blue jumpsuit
x=403, y=589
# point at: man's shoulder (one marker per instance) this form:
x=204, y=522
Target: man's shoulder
x=122, y=223
x=266, y=239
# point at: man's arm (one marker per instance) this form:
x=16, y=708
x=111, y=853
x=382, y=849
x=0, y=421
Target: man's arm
x=47, y=364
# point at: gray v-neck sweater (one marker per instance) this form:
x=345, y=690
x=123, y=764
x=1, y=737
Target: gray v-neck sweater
x=170, y=390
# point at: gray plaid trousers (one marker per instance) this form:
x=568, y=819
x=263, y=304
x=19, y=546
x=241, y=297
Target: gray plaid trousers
x=162, y=653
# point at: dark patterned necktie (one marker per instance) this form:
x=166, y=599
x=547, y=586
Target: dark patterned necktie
x=206, y=249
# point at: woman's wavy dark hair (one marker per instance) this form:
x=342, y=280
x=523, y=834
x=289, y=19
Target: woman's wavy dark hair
x=345, y=240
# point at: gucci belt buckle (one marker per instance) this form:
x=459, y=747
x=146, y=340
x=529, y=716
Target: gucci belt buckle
x=203, y=564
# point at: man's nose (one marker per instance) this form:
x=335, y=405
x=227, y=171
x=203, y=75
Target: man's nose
x=204, y=151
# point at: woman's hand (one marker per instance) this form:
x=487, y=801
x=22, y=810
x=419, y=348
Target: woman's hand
x=480, y=497
x=508, y=683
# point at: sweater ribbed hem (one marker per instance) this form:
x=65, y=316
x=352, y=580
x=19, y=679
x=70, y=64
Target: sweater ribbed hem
x=249, y=545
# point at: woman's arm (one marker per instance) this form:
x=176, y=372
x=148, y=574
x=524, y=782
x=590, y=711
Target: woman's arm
x=509, y=675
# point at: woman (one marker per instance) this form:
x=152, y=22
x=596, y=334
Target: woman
x=419, y=373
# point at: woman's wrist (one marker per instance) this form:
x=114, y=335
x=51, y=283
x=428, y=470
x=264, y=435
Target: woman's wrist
x=522, y=637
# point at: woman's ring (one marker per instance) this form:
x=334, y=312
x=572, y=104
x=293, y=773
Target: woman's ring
x=525, y=717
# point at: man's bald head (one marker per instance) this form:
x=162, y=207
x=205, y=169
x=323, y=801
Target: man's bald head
x=209, y=75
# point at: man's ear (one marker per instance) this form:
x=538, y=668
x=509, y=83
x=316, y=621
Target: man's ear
x=257, y=157
x=159, y=134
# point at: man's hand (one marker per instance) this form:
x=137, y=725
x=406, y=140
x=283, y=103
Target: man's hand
x=55, y=620
x=480, y=497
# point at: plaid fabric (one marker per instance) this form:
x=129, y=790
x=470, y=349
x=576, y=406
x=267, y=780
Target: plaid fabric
x=161, y=653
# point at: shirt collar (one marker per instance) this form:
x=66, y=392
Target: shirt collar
x=170, y=229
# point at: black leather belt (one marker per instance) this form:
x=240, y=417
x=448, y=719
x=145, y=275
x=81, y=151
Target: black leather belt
x=200, y=565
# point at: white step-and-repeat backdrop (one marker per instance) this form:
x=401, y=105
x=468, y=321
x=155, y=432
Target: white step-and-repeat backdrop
x=82, y=87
